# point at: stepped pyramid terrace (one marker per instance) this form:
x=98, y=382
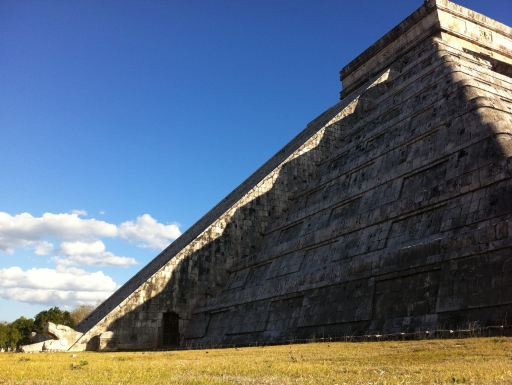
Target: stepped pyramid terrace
x=389, y=213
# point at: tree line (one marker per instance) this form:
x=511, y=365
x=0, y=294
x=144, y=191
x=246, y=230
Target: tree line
x=19, y=331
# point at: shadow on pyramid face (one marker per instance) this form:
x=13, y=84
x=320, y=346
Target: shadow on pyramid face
x=392, y=218
x=204, y=273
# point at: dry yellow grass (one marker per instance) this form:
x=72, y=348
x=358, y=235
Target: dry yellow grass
x=470, y=361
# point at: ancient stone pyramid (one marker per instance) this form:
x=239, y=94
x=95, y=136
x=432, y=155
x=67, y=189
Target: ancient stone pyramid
x=391, y=212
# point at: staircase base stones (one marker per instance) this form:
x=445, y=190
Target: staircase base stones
x=63, y=337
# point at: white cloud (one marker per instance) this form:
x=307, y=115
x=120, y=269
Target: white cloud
x=90, y=254
x=147, y=232
x=57, y=287
x=24, y=229
x=60, y=298
x=79, y=212
x=60, y=278
x=43, y=248
x=71, y=241
x=101, y=259
x=74, y=248
x=79, y=239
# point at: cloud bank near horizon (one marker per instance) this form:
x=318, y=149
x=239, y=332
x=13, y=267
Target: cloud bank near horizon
x=69, y=240
x=79, y=238
x=61, y=286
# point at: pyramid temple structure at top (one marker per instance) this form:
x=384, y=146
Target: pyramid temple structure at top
x=389, y=213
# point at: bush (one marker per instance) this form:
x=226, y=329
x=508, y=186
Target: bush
x=80, y=312
x=9, y=336
x=21, y=329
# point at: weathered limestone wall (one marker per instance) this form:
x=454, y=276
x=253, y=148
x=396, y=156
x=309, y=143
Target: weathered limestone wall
x=404, y=228
x=390, y=212
x=458, y=26
x=197, y=268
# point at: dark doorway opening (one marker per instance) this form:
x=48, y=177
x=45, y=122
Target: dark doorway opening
x=171, y=329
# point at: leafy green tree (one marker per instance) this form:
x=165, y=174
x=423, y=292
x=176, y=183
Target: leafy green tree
x=23, y=327
x=3, y=335
x=5, y=338
x=18, y=332
x=54, y=315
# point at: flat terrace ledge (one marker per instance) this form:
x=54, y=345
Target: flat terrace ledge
x=388, y=38
x=351, y=76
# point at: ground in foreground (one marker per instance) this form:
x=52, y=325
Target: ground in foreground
x=470, y=361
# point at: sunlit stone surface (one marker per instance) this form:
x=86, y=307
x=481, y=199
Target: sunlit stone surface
x=391, y=212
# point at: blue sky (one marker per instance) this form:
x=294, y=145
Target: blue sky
x=123, y=122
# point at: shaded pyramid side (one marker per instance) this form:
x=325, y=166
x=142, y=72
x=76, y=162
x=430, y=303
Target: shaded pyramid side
x=364, y=221
x=196, y=266
x=405, y=226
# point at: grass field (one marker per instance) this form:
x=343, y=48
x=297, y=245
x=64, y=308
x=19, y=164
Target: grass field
x=470, y=361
